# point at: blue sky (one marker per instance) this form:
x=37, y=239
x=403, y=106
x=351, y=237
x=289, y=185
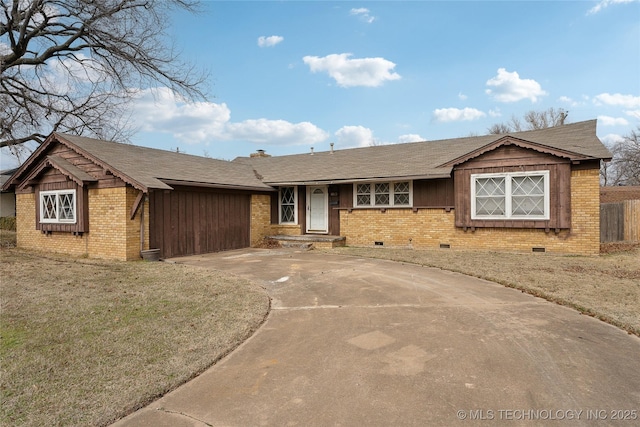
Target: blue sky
x=286, y=76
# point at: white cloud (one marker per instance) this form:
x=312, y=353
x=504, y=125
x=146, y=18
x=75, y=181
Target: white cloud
x=269, y=41
x=495, y=113
x=627, y=101
x=363, y=13
x=567, y=100
x=410, y=138
x=354, y=136
x=71, y=76
x=612, y=138
x=456, y=114
x=612, y=121
x=276, y=132
x=509, y=87
x=633, y=113
x=161, y=110
x=604, y=3
x=462, y=96
x=371, y=72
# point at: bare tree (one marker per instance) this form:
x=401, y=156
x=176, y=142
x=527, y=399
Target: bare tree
x=74, y=65
x=532, y=120
x=499, y=129
x=624, y=168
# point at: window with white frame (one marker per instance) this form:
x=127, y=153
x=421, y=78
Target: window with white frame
x=58, y=206
x=517, y=195
x=383, y=194
x=288, y=201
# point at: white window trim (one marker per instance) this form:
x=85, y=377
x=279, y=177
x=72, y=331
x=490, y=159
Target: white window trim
x=372, y=198
x=508, y=193
x=295, y=205
x=57, y=219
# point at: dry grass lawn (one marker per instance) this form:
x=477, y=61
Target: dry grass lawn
x=7, y=238
x=606, y=287
x=84, y=342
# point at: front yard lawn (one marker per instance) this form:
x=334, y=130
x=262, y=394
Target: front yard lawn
x=84, y=342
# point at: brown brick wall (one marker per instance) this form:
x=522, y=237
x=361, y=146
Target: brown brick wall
x=429, y=228
x=112, y=235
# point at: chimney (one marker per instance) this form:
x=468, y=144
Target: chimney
x=260, y=153
x=312, y=151
x=331, y=147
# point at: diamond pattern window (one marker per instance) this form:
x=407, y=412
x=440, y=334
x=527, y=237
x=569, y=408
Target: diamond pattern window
x=363, y=195
x=401, y=194
x=383, y=194
x=510, y=195
x=288, y=202
x=528, y=195
x=490, y=196
x=58, y=207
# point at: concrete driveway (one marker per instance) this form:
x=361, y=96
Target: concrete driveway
x=354, y=341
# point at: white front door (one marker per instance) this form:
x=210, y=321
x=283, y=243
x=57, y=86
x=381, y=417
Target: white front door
x=317, y=201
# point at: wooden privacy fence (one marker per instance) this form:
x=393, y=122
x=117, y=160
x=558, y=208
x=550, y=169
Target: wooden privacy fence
x=620, y=221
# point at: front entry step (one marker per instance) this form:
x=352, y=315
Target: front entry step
x=308, y=241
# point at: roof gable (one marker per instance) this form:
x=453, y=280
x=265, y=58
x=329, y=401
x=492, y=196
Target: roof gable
x=513, y=141
x=66, y=168
x=143, y=168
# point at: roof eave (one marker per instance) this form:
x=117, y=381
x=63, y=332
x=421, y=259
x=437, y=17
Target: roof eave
x=446, y=173
x=170, y=182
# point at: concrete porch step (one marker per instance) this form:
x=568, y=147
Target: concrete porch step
x=309, y=240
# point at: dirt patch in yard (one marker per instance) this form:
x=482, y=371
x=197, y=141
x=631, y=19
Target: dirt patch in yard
x=606, y=286
x=84, y=342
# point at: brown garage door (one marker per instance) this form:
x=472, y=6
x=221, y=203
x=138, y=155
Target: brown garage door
x=190, y=221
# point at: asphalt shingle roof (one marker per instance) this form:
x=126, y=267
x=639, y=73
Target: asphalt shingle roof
x=149, y=166
x=420, y=159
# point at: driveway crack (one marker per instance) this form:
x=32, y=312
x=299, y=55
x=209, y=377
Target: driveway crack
x=168, y=411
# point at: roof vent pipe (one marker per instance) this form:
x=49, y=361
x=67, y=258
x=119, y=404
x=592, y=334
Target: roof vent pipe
x=312, y=151
x=331, y=147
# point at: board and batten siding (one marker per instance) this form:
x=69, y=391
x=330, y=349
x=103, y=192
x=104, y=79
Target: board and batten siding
x=54, y=180
x=191, y=220
x=516, y=159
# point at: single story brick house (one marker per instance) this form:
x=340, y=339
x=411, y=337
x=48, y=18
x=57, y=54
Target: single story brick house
x=525, y=191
